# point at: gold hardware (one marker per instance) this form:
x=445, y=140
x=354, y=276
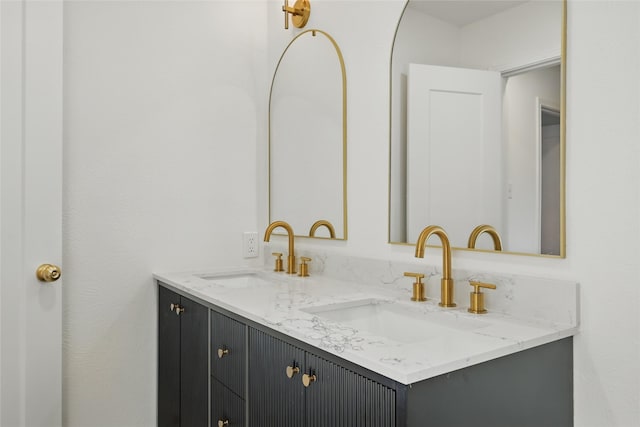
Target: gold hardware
x=48, y=273
x=308, y=379
x=304, y=268
x=321, y=223
x=485, y=228
x=222, y=352
x=477, y=297
x=223, y=423
x=177, y=309
x=291, y=259
x=446, y=283
x=278, y=266
x=418, y=286
x=300, y=13
x=292, y=370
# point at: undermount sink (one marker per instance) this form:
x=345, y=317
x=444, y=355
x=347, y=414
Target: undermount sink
x=394, y=321
x=237, y=280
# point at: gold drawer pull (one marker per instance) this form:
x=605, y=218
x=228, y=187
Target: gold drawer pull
x=223, y=423
x=292, y=370
x=222, y=352
x=308, y=379
x=176, y=308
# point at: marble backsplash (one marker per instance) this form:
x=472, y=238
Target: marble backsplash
x=527, y=297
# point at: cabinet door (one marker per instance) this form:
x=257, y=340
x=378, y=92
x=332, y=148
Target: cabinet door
x=168, y=359
x=226, y=406
x=275, y=400
x=194, y=364
x=342, y=398
x=228, y=352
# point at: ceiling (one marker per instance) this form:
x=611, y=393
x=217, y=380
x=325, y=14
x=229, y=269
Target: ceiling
x=462, y=12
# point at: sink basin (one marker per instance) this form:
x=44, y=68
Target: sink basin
x=237, y=280
x=394, y=321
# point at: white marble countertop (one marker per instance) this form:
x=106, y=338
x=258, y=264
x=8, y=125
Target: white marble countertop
x=417, y=341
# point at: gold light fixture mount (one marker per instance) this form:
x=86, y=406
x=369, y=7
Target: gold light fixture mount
x=300, y=12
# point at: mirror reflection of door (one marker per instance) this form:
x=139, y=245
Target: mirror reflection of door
x=454, y=151
x=523, y=41
x=550, y=207
x=525, y=93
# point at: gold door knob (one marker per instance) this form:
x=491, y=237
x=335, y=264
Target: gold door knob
x=292, y=370
x=222, y=423
x=48, y=273
x=308, y=379
x=222, y=352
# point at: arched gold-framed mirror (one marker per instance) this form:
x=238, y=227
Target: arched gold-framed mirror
x=308, y=138
x=477, y=123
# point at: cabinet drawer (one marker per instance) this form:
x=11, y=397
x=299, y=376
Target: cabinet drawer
x=228, y=352
x=226, y=406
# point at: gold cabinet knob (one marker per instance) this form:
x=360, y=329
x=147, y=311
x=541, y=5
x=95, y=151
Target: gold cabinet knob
x=48, y=273
x=176, y=307
x=222, y=423
x=292, y=370
x=308, y=379
x=476, y=298
x=222, y=352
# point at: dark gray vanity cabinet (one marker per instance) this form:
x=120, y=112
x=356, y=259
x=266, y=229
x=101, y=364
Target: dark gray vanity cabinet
x=228, y=368
x=182, y=361
x=247, y=374
x=334, y=396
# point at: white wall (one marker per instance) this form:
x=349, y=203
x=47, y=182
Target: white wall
x=603, y=208
x=164, y=105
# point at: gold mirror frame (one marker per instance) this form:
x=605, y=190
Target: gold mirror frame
x=563, y=77
x=314, y=226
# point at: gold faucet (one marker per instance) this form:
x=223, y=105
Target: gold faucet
x=320, y=223
x=291, y=259
x=446, y=284
x=497, y=243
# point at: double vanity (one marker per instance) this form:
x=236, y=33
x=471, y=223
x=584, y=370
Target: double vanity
x=348, y=347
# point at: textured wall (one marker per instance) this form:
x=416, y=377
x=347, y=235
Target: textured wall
x=164, y=104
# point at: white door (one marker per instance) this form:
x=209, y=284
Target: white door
x=454, y=150
x=30, y=212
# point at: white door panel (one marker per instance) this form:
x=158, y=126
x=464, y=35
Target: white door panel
x=454, y=173
x=31, y=212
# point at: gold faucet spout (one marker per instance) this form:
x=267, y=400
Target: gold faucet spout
x=320, y=223
x=491, y=231
x=446, y=283
x=291, y=259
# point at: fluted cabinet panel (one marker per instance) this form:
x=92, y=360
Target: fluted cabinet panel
x=229, y=336
x=274, y=399
x=194, y=366
x=342, y=398
x=226, y=406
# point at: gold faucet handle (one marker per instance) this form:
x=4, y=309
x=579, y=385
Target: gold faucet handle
x=278, y=266
x=304, y=267
x=476, y=298
x=417, y=276
x=418, y=286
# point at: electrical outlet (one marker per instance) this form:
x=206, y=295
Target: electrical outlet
x=250, y=244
